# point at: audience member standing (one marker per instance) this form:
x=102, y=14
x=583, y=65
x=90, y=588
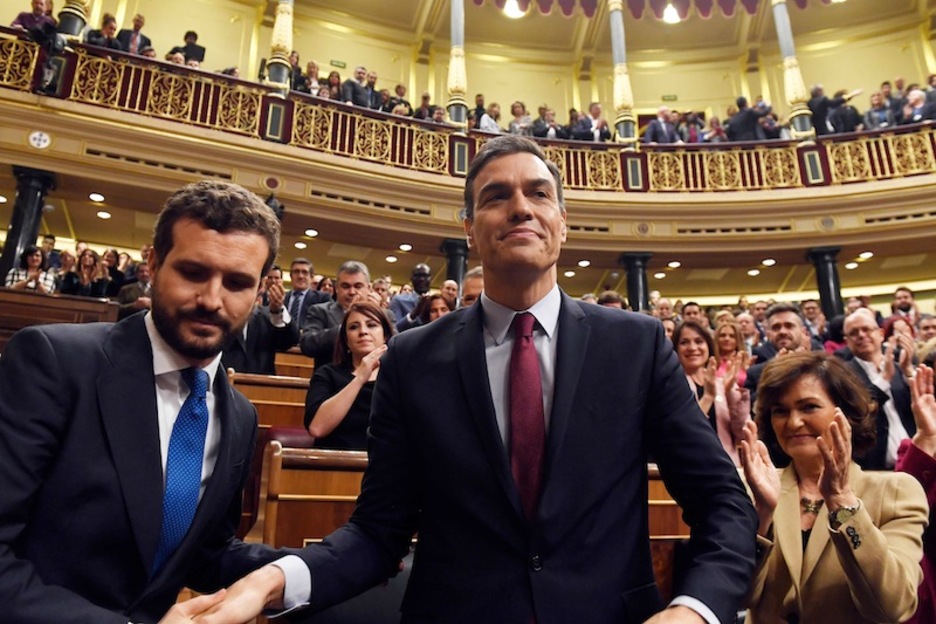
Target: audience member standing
x=133, y=40
x=37, y=18
x=592, y=127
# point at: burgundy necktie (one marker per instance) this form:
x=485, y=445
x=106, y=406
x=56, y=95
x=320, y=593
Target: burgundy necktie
x=527, y=422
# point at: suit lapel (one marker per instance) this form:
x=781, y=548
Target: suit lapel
x=787, y=525
x=132, y=429
x=573, y=335
x=472, y=369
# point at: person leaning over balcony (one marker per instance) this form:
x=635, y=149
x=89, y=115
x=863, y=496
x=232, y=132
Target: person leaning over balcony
x=31, y=274
x=37, y=18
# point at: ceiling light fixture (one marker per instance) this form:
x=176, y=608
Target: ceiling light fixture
x=300, y=245
x=103, y=214
x=675, y=264
x=660, y=275
x=512, y=10
x=866, y=255
x=406, y=247
x=391, y=259
x=96, y=197
x=768, y=262
x=311, y=233
x=754, y=272
x=3, y=199
x=851, y=266
x=569, y=273
x=584, y=263
x=670, y=14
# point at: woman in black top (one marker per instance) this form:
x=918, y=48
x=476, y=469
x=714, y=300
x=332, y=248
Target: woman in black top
x=89, y=279
x=338, y=403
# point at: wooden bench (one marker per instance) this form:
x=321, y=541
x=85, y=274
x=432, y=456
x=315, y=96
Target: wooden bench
x=23, y=308
x=280, y=403
x=311, y=492
x=294, y=363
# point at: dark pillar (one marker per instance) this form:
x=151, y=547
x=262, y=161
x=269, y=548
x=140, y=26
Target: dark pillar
x=638, y=294
x=456, y=255
x=73, y=18
x=827, y=280
x=31, y=188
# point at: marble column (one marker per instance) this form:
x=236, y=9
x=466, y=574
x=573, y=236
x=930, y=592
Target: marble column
x=456, y=256
x=457, y=74
x=31, y=188
x=827, y=280
x=73, y=18
x=279, y=71
x=624, y=121
x=795, y=89
x=638, y=293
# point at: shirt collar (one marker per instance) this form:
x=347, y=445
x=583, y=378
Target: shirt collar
x=166, y=360
x=498, y=318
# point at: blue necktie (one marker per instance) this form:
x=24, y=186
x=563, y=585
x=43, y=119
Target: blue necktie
x=183, y=466
x=294, y=306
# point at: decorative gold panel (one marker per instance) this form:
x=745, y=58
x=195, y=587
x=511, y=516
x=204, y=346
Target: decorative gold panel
x=430, y=151
x=780, y=168
x=913, y=153
x=849, y=161
x=666, y=171
x=723, y=170
x=312, y=126
x=604, y=170
x=97, y=80
x=372, y=140
x=239, y=109
x=17, y=63
x=170, y=96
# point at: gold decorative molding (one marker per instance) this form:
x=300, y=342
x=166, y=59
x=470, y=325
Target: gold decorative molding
x=623, y=92
x=282, y=39
x=457, y=75
x=793, y=85
x=17, y=63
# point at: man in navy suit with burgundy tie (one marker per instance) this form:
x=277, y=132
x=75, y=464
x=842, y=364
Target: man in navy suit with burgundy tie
x=513, y=436
x=123, y=449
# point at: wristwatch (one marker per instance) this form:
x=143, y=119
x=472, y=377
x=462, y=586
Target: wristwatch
x=841, y=515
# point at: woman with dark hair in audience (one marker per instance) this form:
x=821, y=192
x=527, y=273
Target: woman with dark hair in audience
x=90, y=279
x=522, y=123
x=32, y=273
x=438, y=306
x=116, y=277
x=835, y=544
x=726, y=404
x=333, y=85
x=338, y=403
x=327, y=286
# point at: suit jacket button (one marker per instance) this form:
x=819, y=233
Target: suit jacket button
x=536, y=564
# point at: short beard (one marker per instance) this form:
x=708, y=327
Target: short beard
x=167, y=325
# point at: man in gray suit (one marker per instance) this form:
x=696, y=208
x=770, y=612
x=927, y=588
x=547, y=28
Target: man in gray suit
x=321, y=323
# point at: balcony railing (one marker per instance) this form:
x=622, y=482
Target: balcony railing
x=134, y=85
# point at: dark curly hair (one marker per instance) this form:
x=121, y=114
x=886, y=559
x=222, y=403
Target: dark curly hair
x=844, y=388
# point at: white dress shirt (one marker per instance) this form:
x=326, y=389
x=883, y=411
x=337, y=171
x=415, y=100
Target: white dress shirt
x=896, y=432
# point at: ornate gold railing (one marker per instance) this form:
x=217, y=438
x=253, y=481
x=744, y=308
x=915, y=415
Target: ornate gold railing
x=132, y=84
x=167, y=92
x=388, y=139
x=18, y=60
